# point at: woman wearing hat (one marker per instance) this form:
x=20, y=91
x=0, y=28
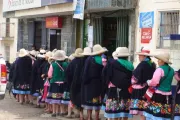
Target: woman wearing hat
x=92, y=82
x=44, y=76
x=77, y=66
x=36, y=79
x=56, y=74
x=23, y=67
x=177, y=101
x=159, y=107
x=119, y=76
x=143, y=72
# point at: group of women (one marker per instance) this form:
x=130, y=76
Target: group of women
x=87, y=80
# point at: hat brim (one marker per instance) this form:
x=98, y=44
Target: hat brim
x=161, y=58
x=60, y=59
x=123, y=55
x=145, y=54
x=77, y=55
x=88, y=54
x=23, y=55
x=41, y=56
x=99, y=52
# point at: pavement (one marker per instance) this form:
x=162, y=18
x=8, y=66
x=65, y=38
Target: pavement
x=11, y=110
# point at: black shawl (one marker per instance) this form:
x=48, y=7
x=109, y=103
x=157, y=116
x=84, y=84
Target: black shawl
x=119, y=75
x=92, y=79
x=37, y=82
x=144, y=72
x=22, y=71
x=75, y=91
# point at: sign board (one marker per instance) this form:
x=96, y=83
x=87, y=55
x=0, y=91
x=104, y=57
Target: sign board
x=52, y=2
x=13, y=5
x=54, y=22
x=146, y=35
x=79, y=11
x=146, y=20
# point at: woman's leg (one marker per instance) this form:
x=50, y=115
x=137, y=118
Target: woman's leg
x=89, y=114
x=21, y=99
x=81, y=114
x=97, y=114
x=69, y=111
x=142, y=117
x=57, y=109
x=125, y=118
x=54, y=108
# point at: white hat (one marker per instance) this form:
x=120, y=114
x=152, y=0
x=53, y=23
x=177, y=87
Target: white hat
x=48, y=54
x=50, y=60
x=64, y=53
x=98, y=49
x=58, y=55
x=23, y=53
x=71, y=57
x=33, y=53
x=78, y=53
x=122, y=52
x=87, y=51
x=164, y=56
x=114, y=55
x=42, y=51
x=144, y=51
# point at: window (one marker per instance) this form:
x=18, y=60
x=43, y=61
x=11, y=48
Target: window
x=7, y=27
x=169, y=24
x=7, y=52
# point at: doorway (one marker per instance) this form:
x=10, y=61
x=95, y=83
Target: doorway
x=38, y=34
x=55, y=39
x=109, y=34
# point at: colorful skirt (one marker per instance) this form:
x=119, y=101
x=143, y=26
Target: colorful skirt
x=137, y=101
x=55, y=93
x=177, y=108
x=66, y=98
x=22, y=89
x=94, y=104
x=117, y=107
x=159, y=108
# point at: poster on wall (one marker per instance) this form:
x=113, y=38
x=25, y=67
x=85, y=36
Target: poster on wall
x=90, y=36
x=146, y=35
x=79, y=11
x=146, y=20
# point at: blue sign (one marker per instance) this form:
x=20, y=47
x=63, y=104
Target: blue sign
x=52, y=2
x=146, y=20
x=79, y=11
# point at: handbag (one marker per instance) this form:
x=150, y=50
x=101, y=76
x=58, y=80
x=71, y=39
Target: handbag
x=151, y=90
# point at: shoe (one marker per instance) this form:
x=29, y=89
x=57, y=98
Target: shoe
x=53, y=115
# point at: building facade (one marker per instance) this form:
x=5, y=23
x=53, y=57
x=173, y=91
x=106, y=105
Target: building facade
x=44, y=24
x=158, y=27
x=8, y=36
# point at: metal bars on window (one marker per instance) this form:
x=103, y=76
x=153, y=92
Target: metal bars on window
x=169, y=24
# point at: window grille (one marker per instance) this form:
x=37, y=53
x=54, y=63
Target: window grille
x=169, y=24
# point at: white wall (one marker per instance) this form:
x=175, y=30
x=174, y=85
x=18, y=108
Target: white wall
x=157, y=6
x=11, y=43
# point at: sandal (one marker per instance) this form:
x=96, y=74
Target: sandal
x=37, y=106
x=53, y=115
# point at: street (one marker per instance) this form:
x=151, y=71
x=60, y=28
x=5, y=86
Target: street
x=11, y=110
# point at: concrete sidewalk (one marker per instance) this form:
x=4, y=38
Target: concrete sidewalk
x=11, y=110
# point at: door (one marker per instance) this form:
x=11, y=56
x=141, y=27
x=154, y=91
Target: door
x=55, y=39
